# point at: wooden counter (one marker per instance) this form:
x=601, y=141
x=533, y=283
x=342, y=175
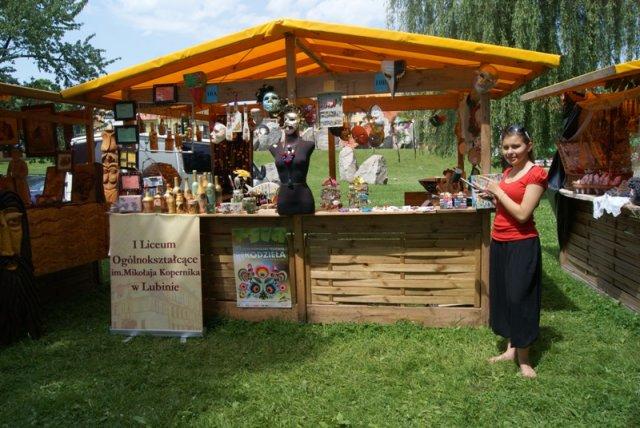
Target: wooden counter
x=430, y=268
x=603, y=252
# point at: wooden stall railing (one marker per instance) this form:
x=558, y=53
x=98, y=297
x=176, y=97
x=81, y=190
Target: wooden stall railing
x=356, y=267
x=603, y=252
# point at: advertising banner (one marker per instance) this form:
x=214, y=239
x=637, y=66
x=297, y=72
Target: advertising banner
x=330, y=109
x=156, y=280
x=261, y=267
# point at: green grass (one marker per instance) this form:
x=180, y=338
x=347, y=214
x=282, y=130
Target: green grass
x=403, y=175
x=287, y=374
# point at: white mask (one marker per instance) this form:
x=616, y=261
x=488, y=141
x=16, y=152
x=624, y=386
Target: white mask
x=291, y=123
x=218, y=132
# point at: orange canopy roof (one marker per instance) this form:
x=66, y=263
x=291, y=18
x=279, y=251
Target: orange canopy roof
x=259, y=53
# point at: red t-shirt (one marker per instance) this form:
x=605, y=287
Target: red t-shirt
x=505, y=226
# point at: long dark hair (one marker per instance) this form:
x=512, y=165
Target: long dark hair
x=520, y=131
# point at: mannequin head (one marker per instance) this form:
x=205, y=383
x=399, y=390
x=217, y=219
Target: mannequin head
x=218, y=133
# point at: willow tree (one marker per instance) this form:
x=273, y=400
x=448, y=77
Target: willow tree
x=589, y=34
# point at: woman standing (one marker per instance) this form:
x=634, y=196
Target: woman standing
x=515, y=269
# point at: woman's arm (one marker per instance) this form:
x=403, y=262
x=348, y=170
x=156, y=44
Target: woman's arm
x=523, y=211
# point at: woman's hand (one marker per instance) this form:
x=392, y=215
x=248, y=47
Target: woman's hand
x=493, y=188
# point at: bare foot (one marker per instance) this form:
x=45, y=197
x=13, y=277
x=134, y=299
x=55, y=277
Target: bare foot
x=527, y=371
x=508, y=355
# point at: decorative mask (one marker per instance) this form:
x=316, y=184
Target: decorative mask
x=291, y=122
x=486, y=79
x=360, y=135
x=309, y=113
x=271, y=103
x=218, y=133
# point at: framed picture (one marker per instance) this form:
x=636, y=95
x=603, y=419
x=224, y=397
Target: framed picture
x=125, y=110
x=8, y=131
x=87, y=183
x=165, y=94
x=131, y=182
x=53, y=186
x=39, y=135
x=128, y=159
x=127, y=134
x=63, y=161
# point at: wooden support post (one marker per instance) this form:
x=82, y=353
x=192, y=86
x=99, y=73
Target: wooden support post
x=299, y=262
x=485, y=134
x=89, y=131
x=290, y=52
x=332, y=154
x=485, y=167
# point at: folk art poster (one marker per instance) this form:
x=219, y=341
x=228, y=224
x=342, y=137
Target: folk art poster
x=156, y=280
x=261, y=267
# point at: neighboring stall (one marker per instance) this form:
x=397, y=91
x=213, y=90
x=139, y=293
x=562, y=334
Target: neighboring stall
x=429, y=266
x=603, y=116
x=68, y=231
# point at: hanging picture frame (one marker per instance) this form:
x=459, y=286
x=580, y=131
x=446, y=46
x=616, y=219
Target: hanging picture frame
x=165, y=94
x=125, y=110
x=63, y=161
x=8, y=131
x=39, y=135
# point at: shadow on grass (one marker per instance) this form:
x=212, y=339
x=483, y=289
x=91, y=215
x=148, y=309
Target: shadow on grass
x=132, y=378
x=553, y=298
x=547, y=338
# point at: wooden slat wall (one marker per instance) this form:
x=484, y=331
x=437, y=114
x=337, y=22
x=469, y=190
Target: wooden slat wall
x=604, y=252
x=67, y=236
x=402, y=261
x=218, y=280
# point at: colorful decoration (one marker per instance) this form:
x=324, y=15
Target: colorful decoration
x=263, y=282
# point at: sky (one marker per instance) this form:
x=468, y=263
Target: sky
x=140, y=30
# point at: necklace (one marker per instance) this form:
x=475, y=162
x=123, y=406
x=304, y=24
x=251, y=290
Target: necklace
x=288, y=155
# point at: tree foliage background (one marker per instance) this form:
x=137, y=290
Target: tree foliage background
x=38, y=31
x=589, y=34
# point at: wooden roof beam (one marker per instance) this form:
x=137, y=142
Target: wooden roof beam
x=309, y=52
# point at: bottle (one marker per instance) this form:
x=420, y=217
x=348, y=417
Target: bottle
x=211, y=196
x=180, y=202
x=198, y=133
x=153, y=138
x=147, y=202
x=168, y=142
x=246, y=133
x=194, y=184
x=158, y=201
x=170, y=201
x=176, y=186
x=187, y=190
x=162, y=129
x=218, y=190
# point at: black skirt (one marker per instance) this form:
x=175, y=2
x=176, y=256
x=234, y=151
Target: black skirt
x=515, y=290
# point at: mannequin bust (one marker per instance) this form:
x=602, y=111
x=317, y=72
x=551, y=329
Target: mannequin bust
x=292, y=161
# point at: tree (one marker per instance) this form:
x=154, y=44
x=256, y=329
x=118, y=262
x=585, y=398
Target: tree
x=35, y=30
x=589, y=34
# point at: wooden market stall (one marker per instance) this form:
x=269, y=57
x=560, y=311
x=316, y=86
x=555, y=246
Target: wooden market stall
x=600, y=251
x=65, y=237
x=379, y=267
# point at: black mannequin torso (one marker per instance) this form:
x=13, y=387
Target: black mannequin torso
x=292, y=161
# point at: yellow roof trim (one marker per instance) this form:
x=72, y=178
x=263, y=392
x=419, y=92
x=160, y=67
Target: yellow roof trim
x=392, y=43
x=588, y=80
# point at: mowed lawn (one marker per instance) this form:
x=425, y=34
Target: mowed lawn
x=288, y=374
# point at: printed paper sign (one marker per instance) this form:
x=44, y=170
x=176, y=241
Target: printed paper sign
x=261, y=267
x=156, y=284
x=330, y=109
